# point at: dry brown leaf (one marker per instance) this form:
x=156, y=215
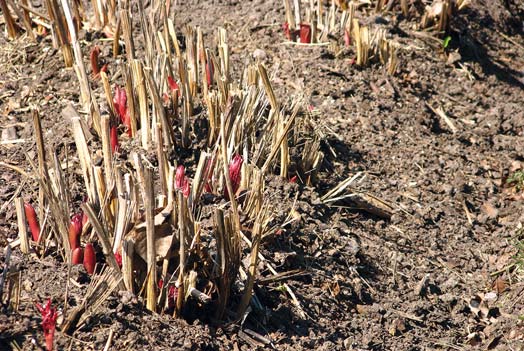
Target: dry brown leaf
x=500, y=285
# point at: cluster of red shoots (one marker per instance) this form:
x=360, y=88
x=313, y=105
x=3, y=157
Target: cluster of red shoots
x=49, y=316
x=235, y=173
x=122, y=112
x=85, y=256
x=304, y=33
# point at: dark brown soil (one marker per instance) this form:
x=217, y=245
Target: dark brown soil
x=439, y=275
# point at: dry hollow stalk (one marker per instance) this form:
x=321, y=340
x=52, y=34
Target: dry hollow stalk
x=42, y=165
x=248, y=291
x=90, y=103
x=25, y=20
x=12, y=29
x=22, y=228
x=147, y=195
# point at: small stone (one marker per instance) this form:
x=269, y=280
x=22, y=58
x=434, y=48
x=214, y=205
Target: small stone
x=259, y=54
x=347, y=343
x=28, y=285
x=9, y=134
x=453, y=57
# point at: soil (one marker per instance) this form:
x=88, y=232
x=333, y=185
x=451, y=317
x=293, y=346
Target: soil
x=443, y=273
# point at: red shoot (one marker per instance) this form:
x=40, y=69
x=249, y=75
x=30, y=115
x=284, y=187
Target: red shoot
x=179, y=177
x=210, y=71
x=49, y=316
x=172, y=293
x=30, y=214
x=75, y=230
x=186, y=188
x=120, y=102
x=181, y=181
x=77, y=257
x=93, y=56
x=287, y=31
x=118, y=258
x=89, y=258
x=113, y=137
x=173, y=84
x=293, y=179
x=305, y=33
x=235, y=172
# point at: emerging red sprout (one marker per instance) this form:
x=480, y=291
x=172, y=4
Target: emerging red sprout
x=209, y=171
x=120, y=102
x=113, y=137
x=75, y=230
x=173, y=84
x=235, y=168
x=210, y=71
x=89, y=258
x=179, y=177
x=186, y=189
x=77, y=257
x=172, y=293
x=293, y=179
x=287, y=31
x=305, y=33
x=181, y=181
x=93, y=56
x=118, y=258
x=32, y=220
x=49, y=316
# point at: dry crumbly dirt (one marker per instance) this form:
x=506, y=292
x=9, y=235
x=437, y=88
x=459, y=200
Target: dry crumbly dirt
x=423, y=280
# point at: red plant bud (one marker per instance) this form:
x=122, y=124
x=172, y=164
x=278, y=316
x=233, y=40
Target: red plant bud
x=93, y=56
x=179, y=177
x=287, y=31
x=173, y=84
x=305, y=33
x=235, y=168
x=113, y=137
x=77, y=257
x=210, y=71
x=209, y=171
x=30, y=214
x=49, y=317
x=347, y=37
x=89, y=258
x=293, y=179
x=75, y=230
x=172, y=293
x=181, y=181
x=120, y=102
x=118, y=258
